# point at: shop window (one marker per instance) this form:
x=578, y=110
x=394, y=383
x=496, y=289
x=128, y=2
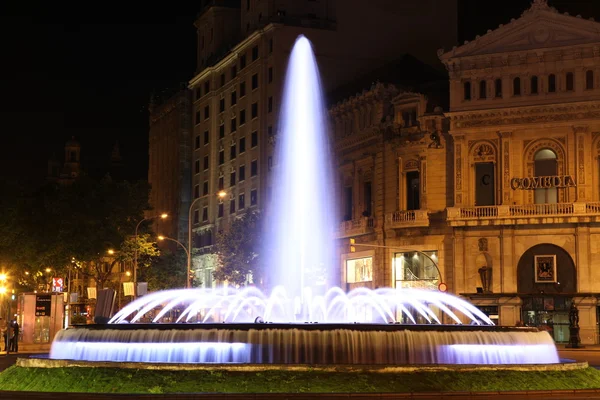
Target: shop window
x=416, y=269
x=359, y=270
x=546, y=164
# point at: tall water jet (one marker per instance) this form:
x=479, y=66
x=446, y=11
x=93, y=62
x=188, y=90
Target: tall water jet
x=302, y=213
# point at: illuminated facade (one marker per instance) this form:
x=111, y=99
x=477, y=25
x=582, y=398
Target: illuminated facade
x=510, y=201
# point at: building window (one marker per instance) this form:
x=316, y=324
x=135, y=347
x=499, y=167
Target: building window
x=416, y=269
x=483, y=90
x=221, y=105
x=348, y=203
x=204, y=214
x=197, y=142
x=254, y=81
x=467, y=90
x=270, y=162
x=233, y=98
x=570, y=81
x=270, y=45
x=206, y=87
x=198, y=93
x=253, y=197
x=485, y=194
x=206, y=112
x=242, y=117
x=196, y=191
x=222, y=79
x=221, y=131
x=231, y=206
x=589, y=79
x=206, y=137
x=498, y=87
x=232, y=153
x=221, y=157
x=233, y=126
x=270, y=74
x=254, y=110
x=242, y=173
x=220, y=212
x=241, y=201
x=255, y=53
x=205, y=188
x=233, y=72
x=534, y=85
x=243, y=61
x=197, y=167
x=270, y=104
x=517, y=86
x=197, y=117
x=205, y=163
x=196, y=218
x=232, y=178
x=242, y=145
x=368, y=199
x=413, y=190
x=242, y=89
x=247, y=5
x=254, y=139
x=254, y=168
x=221, y=182
x=551, y=83
x=359, y=270
x=546, y=164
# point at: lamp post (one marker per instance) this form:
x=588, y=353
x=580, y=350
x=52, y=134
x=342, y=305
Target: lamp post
x=187, y=253
x=221, y=194
x=135, y=252
x=3, y=292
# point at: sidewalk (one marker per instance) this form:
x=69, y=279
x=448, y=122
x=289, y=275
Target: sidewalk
x=586, y=347
x=31, y=348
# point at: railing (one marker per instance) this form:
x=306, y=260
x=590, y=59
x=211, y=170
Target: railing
x=407, y=218
x=523, y=211
x=358, y=226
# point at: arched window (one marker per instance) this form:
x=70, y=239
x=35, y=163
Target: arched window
x=413, y=190
x=498, y=87
x=467, y=90
x=589, y=79
x=482, y=90
x=534, y=85
x=570, y=81
x=546, y=164
x=517, y=86
x=551, y=83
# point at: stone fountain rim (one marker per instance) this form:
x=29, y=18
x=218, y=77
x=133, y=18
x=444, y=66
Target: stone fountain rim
x=391, y=327
x=341, y=368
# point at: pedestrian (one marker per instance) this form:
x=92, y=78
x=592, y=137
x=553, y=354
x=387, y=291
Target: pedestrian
x=15, y=337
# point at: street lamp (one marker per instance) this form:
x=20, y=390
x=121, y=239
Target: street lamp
x=3, y=292
x=221, y=194
x=135, y=253
x=187, y=252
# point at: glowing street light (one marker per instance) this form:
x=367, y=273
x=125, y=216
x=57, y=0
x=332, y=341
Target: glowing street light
x=135, y=256
x=111, y=252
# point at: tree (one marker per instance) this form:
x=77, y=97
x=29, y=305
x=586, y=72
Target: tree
x=166, y=272
x=238, y=250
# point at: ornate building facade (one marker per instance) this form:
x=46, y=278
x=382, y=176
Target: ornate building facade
x=504, y=188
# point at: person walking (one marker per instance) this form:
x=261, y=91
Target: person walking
x=4, y=333
x=14, y=347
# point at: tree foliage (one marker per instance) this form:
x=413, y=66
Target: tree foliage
x=166, y=272
x=238, y=250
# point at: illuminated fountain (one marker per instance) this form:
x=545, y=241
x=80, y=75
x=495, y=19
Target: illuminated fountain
x=304, y=320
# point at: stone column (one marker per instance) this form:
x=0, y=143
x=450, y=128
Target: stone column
x=505, y=168
x=460, y=151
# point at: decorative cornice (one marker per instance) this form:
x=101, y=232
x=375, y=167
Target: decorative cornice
x=525, y=115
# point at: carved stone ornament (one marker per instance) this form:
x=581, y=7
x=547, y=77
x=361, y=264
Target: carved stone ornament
x=411, y=164
x=484, y=150
x=482, y=244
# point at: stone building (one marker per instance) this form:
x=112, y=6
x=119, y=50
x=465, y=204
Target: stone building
x=503, y=188
x=243, y=49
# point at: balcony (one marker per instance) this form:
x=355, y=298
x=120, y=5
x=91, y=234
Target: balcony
x=407, y=219
x=356, y=227
x=559, y=213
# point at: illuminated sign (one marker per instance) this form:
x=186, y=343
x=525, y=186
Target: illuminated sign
x=57, y=284
x=542, y=182
x=42, y=305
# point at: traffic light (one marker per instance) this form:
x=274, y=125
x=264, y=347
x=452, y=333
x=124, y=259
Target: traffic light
x=352, y=247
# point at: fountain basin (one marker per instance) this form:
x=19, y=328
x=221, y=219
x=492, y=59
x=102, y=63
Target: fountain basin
x=325, y=344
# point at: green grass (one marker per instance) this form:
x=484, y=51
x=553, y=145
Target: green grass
x=115, y=380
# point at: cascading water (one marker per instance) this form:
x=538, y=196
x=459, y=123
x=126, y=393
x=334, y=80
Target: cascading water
x=382, y=326
x=302, y=213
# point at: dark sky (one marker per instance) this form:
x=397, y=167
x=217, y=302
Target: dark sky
x=89, y=72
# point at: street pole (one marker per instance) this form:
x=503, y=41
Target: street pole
x=187, y=252
x=135, y=251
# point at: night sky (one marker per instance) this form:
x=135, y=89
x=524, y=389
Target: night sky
x=89, y=73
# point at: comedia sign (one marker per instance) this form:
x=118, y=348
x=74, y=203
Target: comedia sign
x=542, y=182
